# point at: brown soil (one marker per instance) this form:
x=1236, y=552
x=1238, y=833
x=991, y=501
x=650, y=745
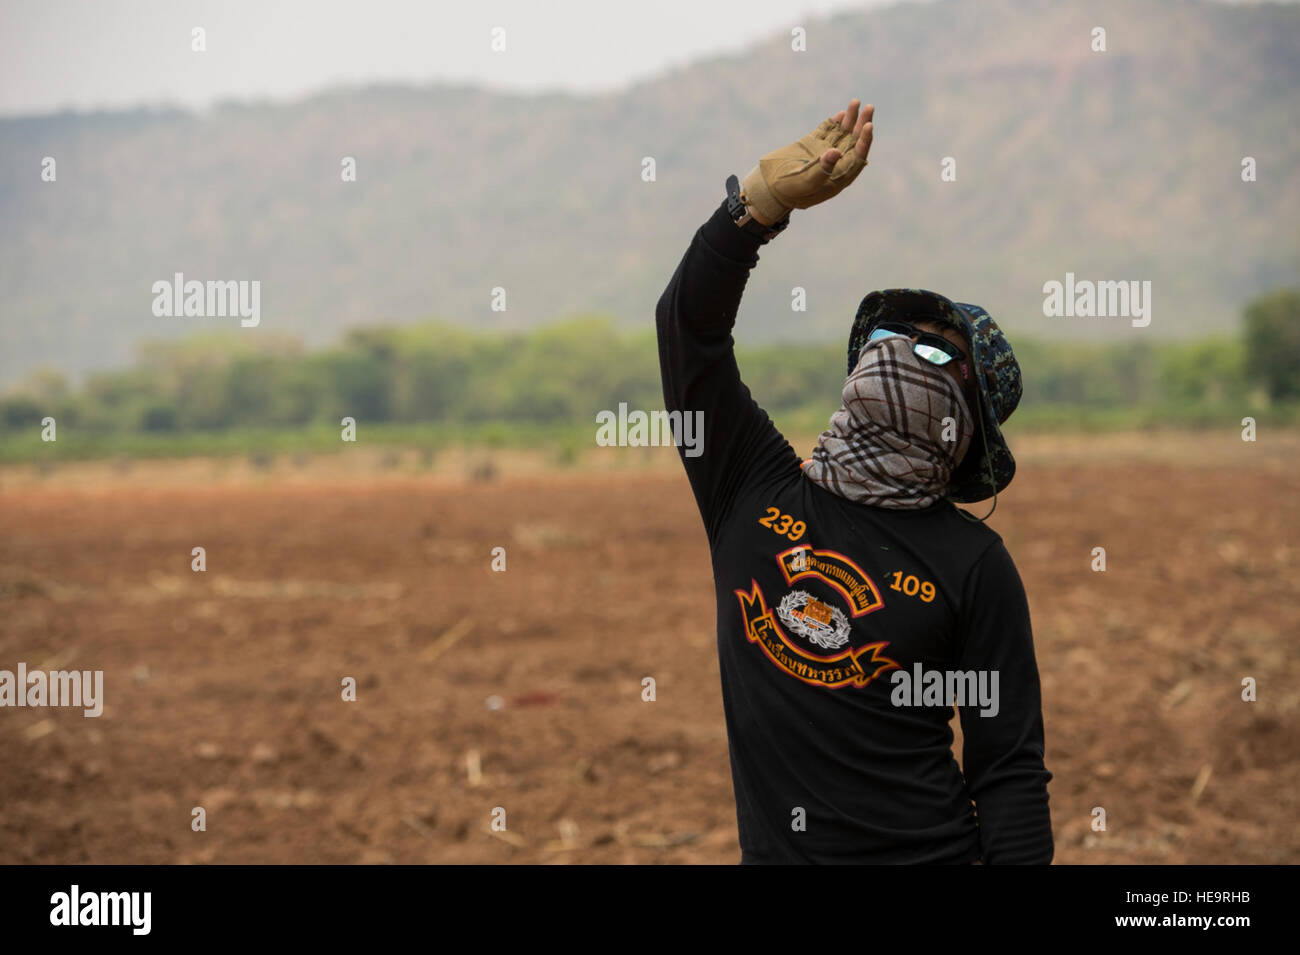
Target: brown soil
x=223, y=688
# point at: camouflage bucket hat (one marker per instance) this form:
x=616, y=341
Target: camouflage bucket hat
x=988, y=466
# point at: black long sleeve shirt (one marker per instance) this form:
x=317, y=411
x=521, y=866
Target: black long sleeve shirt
x=821, y=602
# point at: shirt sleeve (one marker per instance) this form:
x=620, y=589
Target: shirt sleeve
x=694, y=318
x=1002, y=756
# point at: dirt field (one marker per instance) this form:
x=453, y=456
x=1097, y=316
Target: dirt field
x=223, y=688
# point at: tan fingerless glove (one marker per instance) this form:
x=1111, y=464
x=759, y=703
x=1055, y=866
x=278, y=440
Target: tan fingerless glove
x=792, y=177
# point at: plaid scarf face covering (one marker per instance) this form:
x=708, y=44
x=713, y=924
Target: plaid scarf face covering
x=889, y=445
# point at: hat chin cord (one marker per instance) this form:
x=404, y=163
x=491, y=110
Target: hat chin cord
x=992, y=480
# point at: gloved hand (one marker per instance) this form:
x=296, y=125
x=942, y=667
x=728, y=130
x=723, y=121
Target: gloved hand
x=811, y=170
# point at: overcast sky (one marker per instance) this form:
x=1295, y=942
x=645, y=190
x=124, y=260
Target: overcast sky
x=85, y=54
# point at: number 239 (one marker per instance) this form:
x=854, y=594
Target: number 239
x=783, y=524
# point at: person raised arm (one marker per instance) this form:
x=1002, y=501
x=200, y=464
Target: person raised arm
x=735, y=439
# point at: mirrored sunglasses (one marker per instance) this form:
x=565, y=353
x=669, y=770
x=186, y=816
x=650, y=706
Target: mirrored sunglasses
x=933, y=348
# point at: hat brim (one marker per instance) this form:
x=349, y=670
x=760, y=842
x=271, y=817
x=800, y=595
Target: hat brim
x=986, y=473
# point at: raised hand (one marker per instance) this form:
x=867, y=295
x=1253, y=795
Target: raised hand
x=812, y=169
x=861, y=128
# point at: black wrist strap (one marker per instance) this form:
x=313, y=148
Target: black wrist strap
x=741, y=216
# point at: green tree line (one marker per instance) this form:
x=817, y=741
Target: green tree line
x=563, y=374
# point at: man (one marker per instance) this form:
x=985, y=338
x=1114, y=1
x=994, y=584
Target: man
x=855, y=603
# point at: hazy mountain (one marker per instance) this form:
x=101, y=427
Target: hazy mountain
x=1117, y=165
